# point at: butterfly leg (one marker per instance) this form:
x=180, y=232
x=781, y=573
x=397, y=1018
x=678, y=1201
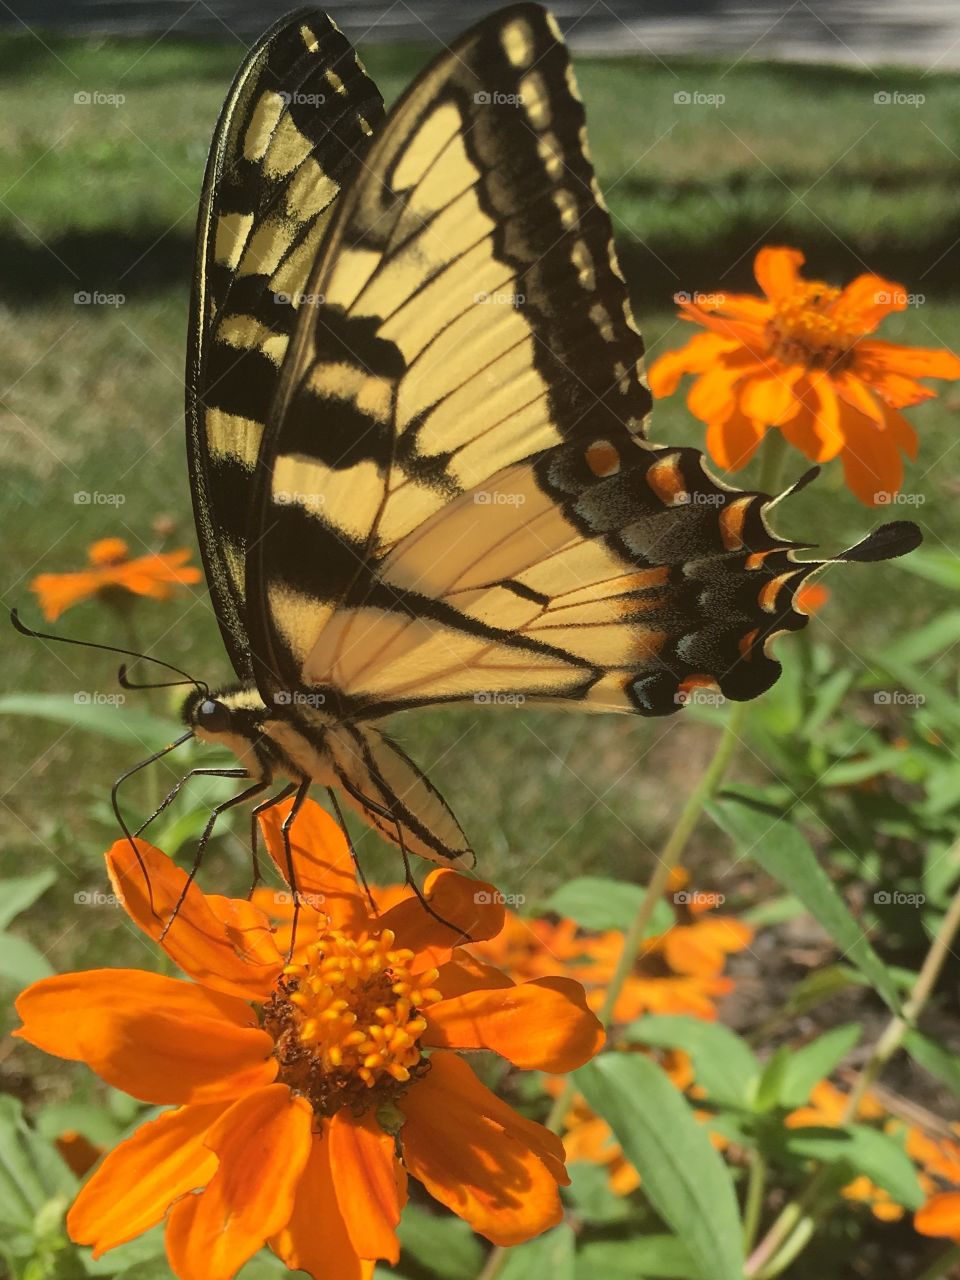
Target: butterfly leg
x=175, y=790
x=354, y=856
x=303, y=788
x=255, y=830
x=246, y=794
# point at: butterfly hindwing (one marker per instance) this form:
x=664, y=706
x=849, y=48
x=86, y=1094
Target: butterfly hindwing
x=295, y=124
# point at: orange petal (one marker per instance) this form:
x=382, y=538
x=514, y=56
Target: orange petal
x=698, y=355
x=157, y=1038
x=473, y=907
x=872, y=298
x=915, y=362
x=467, y=973
x=777, y=270
x=321, y=857
x=541, y=1025
x=493, y=1168
x=711, y=397
x=733, y=441
x=140, y=1179
x=58, y=592
x=940, y=1216
x=828, y=414
x=769, y=398
x=315, y=1239
x=362, y=1158
x=236, y=960
x=262, y=1144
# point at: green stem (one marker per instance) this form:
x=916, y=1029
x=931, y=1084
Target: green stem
x=942, y=1267
x=789, y=1234
x=753, y=1201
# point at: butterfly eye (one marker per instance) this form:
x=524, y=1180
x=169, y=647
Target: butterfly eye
x=213, y=716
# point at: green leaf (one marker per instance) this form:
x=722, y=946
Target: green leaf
x=589, y=1193
x=684, y=1178
x=814, y=1062
x=917, y=644
x=550, y=1256
x=771, y=1080
x=139, y=1259
x=20, y=961
x=813, y=990
x=125, y=724
x=937, y=1060
x=866, y=1151
x=443, y=1245
x=20, y=892
x=659, y=1257
x=31, y=1171
x=598, y=903
x=723, y=1064
x=783, y=852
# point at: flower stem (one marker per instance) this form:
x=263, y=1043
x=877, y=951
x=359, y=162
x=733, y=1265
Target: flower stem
x=753, y=1201
x=789, y=1234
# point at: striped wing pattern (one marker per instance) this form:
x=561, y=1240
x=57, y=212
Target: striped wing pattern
x=296, y=123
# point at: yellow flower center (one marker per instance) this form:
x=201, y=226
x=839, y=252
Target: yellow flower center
x=347, y=1021
x=808, y=329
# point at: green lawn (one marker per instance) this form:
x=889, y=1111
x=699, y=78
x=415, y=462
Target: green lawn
x=100, y=197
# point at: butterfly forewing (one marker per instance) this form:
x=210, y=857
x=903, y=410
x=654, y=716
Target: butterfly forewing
x=295, y=125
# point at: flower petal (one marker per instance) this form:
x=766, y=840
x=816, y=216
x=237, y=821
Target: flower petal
x=322, y=862
x=158, y=1038
x=696, y=356
x=471, y=906
x=262, y=1143
x=711, y=398
x=138, y=1181
x=914, y=362
x=315, y=1239
x=467, y=973
x=495, y=1169
x=541, y=1025
x=940, y=1216
x=237, y=958
x=871, y=298
x=777, y=271
x=363, y=1161
x=732, y=442
x=769, y=397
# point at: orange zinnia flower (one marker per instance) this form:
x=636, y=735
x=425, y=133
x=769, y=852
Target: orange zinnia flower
x=302, y=1091
x=802, y=360
x=112, y=572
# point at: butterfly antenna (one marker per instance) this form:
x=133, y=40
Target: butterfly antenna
x=110, y=648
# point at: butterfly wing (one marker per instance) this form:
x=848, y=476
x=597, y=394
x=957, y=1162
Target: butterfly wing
x=295, y=124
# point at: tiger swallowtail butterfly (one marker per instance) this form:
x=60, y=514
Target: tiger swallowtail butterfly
x=416, y=423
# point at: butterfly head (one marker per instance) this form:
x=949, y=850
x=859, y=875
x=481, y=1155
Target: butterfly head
x=224, y=716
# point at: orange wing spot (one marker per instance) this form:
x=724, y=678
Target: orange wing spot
x=731, y=524
x=768, y=594
x=756, y=558
x=747, y=643
x=602, y=458
x=666, y=480
x=688, y=686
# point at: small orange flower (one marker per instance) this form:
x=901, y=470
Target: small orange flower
x=811, y=597
x=112, y=572
x=940, y=1216
x=802, y=360
x=305, y=1091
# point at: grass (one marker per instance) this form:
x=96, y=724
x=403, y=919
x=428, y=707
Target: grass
x=102, y=198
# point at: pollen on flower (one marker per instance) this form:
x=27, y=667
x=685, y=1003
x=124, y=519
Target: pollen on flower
x=347, y=1021
x=808, y=328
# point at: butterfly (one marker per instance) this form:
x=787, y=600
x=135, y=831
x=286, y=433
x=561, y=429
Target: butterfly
x=416, y=426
